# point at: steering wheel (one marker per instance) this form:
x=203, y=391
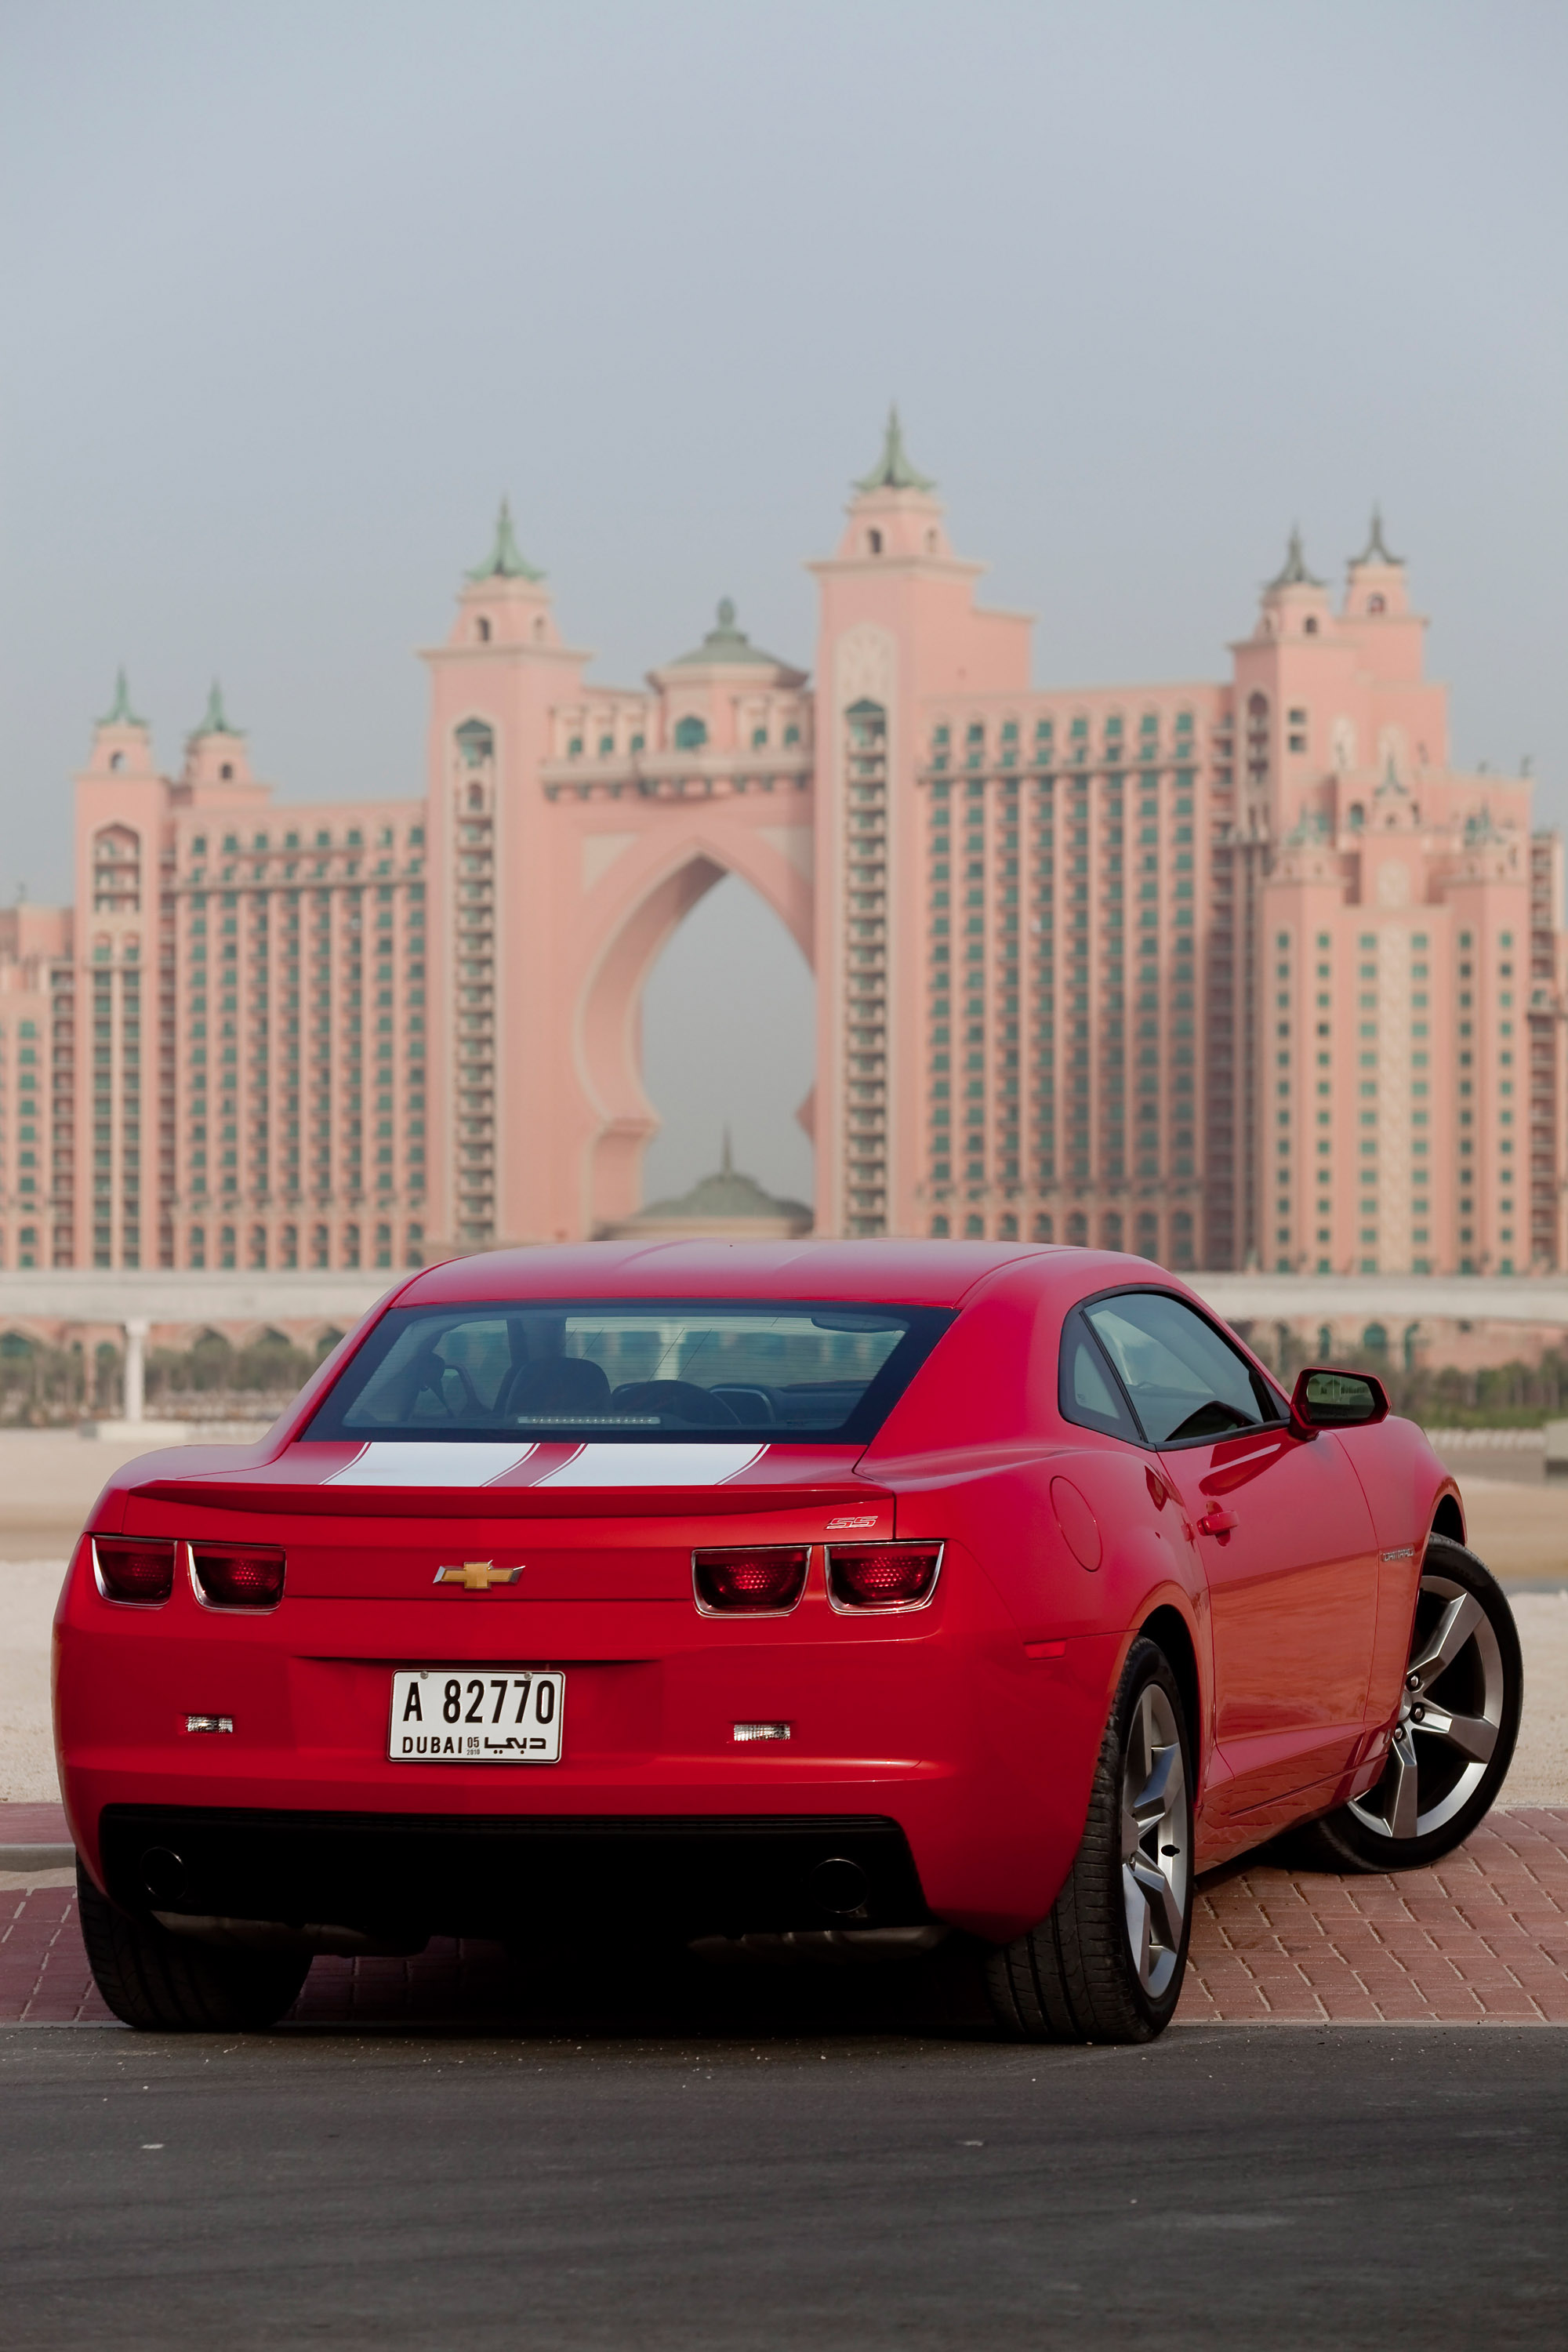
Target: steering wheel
x=471, y=1408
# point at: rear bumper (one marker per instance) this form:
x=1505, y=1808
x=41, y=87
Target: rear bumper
x=409, y=1875
x=936, y=1735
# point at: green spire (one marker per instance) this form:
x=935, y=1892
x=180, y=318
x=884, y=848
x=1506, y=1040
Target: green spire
x=1294, y=572
x=214, y=719
x=120, y=713
x=506, y=560
x=1374, y=552
x=892, y=470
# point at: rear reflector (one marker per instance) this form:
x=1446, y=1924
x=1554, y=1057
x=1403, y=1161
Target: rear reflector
x=236, y=1578
x=882, y=1576
x=760, y=1579
x=133, y=1571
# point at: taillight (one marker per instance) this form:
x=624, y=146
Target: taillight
x=249, y=1576
x=133, y=1571
x=882, y=1576
x=760, y=1577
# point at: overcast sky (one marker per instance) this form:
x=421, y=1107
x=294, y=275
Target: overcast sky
x=291, y=292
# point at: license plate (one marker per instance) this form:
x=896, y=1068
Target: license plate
x=469, y=1715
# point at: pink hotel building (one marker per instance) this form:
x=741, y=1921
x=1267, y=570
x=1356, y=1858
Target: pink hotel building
x=1225, y=972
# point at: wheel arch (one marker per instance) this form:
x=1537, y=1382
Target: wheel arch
x=1169, y=1628
x=1449, y=1519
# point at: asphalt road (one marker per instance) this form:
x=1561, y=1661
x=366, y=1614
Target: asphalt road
x=800, y=2184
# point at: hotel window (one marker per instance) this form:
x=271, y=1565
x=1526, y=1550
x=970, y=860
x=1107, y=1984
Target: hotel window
x=1257, y=737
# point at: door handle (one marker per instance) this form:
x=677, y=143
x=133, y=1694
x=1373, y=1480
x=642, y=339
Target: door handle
x=1217, y=1522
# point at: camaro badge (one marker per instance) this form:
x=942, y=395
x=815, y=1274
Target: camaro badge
x=478, y=1575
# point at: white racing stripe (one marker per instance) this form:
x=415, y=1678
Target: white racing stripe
x=436, y=1462
x=652, y=1465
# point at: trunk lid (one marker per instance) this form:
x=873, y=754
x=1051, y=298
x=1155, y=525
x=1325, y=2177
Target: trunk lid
x=579, y=1522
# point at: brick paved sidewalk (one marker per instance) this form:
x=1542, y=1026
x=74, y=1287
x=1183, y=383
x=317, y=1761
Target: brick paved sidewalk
x=1481, y=1939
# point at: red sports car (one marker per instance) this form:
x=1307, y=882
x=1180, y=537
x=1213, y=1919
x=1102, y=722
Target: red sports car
x=819, y=1591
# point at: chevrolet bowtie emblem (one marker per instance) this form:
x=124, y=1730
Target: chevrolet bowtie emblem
x=478, y=1575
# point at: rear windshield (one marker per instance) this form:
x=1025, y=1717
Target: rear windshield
x=640, y=1369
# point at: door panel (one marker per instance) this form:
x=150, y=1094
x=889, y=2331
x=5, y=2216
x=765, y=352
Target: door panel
x=1284, y=1534
x=1289, y=1550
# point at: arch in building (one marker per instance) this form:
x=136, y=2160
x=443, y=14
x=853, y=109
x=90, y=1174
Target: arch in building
x=648, y=885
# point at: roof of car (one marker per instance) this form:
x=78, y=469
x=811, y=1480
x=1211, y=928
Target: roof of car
x=890, y=1273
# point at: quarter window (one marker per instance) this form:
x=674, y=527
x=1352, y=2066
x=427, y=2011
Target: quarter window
x=1090, y=1394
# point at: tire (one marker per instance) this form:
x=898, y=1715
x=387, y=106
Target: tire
x=1107, y=1964
x=1459, y=1720
x=171, y=1984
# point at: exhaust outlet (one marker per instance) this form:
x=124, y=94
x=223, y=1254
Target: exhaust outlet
x=163, y=1874
x=841, y=1885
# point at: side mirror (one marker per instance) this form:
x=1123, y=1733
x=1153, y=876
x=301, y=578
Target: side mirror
x=1330, y=1400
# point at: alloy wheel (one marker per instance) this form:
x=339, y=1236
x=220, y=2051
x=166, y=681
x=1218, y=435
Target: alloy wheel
x=1450, y=1714
x=1154, y=1839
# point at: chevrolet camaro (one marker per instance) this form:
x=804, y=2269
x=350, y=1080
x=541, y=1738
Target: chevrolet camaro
x=768, y=1596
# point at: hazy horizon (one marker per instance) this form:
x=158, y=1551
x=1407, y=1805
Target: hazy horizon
x=296, y=293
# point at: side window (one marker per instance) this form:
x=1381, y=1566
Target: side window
x=1088, y=1392
x=1184, y=1381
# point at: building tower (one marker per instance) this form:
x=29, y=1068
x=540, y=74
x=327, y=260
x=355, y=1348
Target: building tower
x=899, y=624
x=119, y=1214
x=495, y=915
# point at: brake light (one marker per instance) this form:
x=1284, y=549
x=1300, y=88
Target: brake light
x=758, y=1577
x=133, y=1571
x=238, y=1578
x=882, y=1576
